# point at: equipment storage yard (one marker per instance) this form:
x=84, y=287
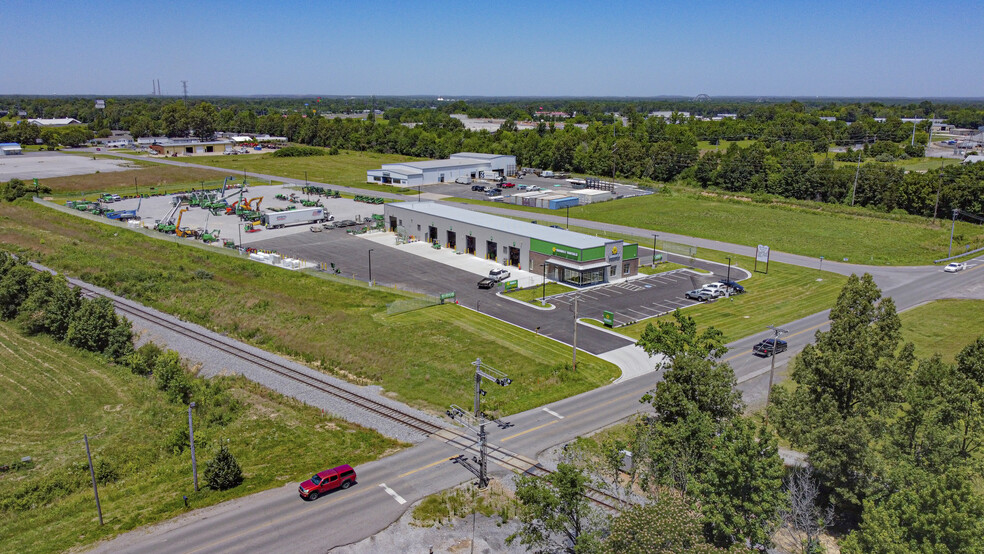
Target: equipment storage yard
x=231, y=227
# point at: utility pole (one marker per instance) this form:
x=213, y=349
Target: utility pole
x=92, y=474
x=574, y=359
x=856, y=173
x=655, y=236
x=191, y=438
x=729, y=268
x=949, y=251
x=772, y=370
x=370, y=267
x=476, y=423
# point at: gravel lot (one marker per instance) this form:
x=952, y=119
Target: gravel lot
x=211, y=361
x=41, y=165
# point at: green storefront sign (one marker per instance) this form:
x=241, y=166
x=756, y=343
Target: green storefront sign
x=609, y=319
x=511, y=285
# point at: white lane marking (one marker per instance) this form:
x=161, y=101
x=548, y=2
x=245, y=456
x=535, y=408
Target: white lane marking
x=553, y=413
x=392, y=493
x=752, y=375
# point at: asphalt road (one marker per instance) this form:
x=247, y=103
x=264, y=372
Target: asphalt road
x=279, y=520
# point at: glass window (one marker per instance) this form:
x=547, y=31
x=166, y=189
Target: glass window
x=626, y=267
x=611, y=270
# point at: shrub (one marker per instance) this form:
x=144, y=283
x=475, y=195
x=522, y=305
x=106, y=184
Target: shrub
x=299, y=151
x=223, y=472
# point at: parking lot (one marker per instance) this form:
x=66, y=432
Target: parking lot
x=635, y=299
x=558, y=186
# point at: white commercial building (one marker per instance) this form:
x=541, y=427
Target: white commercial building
x=462, y=164
x=10, y=149
x=57, y=122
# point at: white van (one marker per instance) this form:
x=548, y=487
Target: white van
x=466, y=180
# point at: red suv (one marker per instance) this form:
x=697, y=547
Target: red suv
x=342, y=476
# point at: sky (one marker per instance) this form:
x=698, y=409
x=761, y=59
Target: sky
x=873, y=48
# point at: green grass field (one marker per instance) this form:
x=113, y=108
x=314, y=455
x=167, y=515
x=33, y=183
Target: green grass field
x=911, y=164
x=51, y=394
x=347, y=169
x=811, y=229
x=534, y=294
x=944, y=326
x=785, y=294
x=706, y=146
x=420, y=357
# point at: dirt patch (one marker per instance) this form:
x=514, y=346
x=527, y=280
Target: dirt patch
x=145, y=177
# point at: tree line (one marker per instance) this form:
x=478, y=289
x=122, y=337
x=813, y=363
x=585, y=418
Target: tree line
x=893, y=447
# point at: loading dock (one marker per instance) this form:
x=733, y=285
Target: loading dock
x=491, y=250
x=514, y=257
x=470, y=245
x=432, y=234
x=392, y=225
x=452, y=239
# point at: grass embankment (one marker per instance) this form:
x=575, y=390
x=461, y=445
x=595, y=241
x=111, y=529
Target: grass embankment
x=51, y=394
x=785, y=294
x=421, y=357
x=347, y=169
x=534, y=294
x=661, y=268
x=861, y=235
x=944, y=326
x=151, y=178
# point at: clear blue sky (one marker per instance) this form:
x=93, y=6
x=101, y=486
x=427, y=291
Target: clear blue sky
x=510, y=48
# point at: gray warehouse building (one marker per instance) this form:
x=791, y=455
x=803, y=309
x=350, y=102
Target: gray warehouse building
x=462, y=164
x=569, y=257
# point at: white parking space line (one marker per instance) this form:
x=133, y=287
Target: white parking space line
x=392, y=493
x=553, y=413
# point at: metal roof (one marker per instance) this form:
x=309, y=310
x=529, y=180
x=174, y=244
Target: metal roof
x=419, y=167
x=524, y=228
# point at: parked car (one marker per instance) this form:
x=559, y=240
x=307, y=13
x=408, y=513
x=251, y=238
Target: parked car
x=479, y=188
x=486, y=283
x=733, y=285
x=714, y=287
x=533, y=188
x=521, y=187
x=499, y=274
x=556, y=227
x=765, y=348
x=316, y=228
x=342, y=477
x=954, y=267
x=707, y=295
x=493, y=192
x=692, y=294
x=508, y=185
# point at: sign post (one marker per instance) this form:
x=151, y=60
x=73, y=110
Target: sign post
x=609, y=319
x=762, y=255
x=446, y=296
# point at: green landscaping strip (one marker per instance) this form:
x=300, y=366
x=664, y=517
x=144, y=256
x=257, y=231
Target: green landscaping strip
x=533, y=295
x=943, y=326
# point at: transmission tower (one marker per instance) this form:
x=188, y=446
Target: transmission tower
x=184, y=86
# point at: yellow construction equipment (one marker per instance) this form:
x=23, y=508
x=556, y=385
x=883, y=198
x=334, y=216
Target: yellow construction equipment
x=177, y=226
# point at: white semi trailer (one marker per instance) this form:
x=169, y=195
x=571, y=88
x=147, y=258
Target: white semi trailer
x=276, y=220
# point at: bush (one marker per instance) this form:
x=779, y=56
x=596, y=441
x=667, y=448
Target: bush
x=299, y=151
x=12, y=190
x=223, y=472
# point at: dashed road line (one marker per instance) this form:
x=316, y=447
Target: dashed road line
x=553, y=413
x=392, y=493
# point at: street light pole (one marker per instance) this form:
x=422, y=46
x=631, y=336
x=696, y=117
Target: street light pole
x=729, y=268
x=949, y=251
x=191, y=438
x=568, y=226
x=655, y=236
x=370, y=267
x=239, y=227
x=772, y=369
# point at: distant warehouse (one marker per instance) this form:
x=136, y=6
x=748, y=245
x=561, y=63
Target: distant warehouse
x=568, y=257
x=462, y=164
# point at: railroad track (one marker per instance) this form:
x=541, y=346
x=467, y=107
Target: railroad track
x=497, y=454
x=362, y=401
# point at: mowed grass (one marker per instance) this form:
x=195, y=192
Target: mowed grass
x=943, y=326
x=150, y=178
x=50, y=395
x=534, y=294
x=910, y=164
x=785, y=294
x=421, y=357
x=810, y=229
x=348, y=168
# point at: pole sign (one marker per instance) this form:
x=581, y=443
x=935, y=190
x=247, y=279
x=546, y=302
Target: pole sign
x=446, y=296
x=511, y=285
x=762, y=255
x=609, y=319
